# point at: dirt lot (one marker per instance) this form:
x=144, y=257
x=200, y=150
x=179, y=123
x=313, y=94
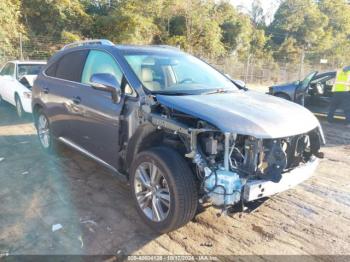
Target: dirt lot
x=98, y=216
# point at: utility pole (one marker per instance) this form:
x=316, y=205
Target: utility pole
x=21, y=46
x=302, y=57
x=247, y=68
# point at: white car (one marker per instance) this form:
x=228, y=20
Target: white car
x=16, y=81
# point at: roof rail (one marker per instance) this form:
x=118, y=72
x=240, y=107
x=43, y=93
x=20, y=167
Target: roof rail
x=167, y=46
x=88, y=42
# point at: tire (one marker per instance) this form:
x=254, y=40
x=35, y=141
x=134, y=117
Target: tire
x=174, y=176
x=19, y=108
x=284, y=96
x=48, y=144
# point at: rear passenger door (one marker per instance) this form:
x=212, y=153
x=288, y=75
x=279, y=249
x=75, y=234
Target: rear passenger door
x=98, y=126
x=59, y=92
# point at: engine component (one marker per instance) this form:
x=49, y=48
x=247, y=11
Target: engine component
x=223, y=187
x=275, y=159
x=252, y=148
x=211, y=146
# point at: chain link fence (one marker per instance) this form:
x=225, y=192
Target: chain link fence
x=259, y=72
x=41, y=48
x=252, y=71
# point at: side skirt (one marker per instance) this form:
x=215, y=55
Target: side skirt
x=69, y=143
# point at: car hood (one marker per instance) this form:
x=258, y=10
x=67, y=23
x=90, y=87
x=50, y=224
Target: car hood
x=246, y=112
x=287, y=86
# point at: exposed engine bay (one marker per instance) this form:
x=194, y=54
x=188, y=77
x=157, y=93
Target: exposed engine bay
x=225, y=162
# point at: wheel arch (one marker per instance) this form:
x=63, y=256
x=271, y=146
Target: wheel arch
x=147, y=136
x=36, y=108
x=283, y=95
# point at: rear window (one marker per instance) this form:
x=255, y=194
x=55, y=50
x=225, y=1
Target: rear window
x=28, y=69
x=69, y=67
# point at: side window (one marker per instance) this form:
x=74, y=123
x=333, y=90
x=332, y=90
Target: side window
x=100, y=62
x=70, y=66
x=51, y=71
x=8, y=70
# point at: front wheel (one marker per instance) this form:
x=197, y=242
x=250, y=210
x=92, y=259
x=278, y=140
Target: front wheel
x=19, y=107
x=163, y=188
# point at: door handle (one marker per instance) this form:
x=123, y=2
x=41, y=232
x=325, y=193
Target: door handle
x=45, y=90
x=76, y=100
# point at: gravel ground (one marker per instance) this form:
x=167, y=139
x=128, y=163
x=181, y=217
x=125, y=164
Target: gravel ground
x=97, y=215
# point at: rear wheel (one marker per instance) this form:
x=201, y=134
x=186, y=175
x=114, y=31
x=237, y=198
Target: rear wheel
x=19, y=107
x=46, y=139
x=163, y=188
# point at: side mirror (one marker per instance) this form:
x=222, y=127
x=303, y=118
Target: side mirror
x=107, y=83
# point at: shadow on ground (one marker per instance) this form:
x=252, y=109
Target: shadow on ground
x=38, y=191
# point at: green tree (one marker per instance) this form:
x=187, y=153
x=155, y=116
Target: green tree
x=52, y=17
x=297, y=25
x=129, y=22
x=10, y=27
x=236, y=29
x=335, y=43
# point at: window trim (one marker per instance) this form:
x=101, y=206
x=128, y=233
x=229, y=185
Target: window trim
x=121, y=69
x=89, y=49
x=87, y=57
x=59, y=60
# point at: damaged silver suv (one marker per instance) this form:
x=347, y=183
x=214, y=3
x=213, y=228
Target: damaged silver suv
x=180, y=132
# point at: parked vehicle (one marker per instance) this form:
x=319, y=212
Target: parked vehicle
x=177, y=129
x=314, y=92
x=16, y=81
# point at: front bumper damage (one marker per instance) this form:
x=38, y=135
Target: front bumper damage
x=256, y=189
x=235, y=168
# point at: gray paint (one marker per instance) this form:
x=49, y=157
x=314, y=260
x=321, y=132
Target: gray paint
x=246, y=112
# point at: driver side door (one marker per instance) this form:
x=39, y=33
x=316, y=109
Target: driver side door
x=99, y=119
x=302, y=89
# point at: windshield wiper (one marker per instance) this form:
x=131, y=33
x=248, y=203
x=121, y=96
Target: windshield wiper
x=171, y=93
x=218, y=91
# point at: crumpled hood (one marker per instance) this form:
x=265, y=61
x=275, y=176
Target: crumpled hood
x=246, y=112
x=30, y=79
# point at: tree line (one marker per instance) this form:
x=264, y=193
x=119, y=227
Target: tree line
x=214, y=29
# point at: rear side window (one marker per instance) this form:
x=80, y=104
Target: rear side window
x=100, y=62
x=51, y=71
x=70, y=66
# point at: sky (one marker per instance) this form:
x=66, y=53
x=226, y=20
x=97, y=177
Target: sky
x=270, y=6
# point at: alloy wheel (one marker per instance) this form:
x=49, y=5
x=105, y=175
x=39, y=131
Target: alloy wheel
x=152, y=192
x=44, y=131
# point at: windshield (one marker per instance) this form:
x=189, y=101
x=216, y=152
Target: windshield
x=29, y=69
x=176, y=73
